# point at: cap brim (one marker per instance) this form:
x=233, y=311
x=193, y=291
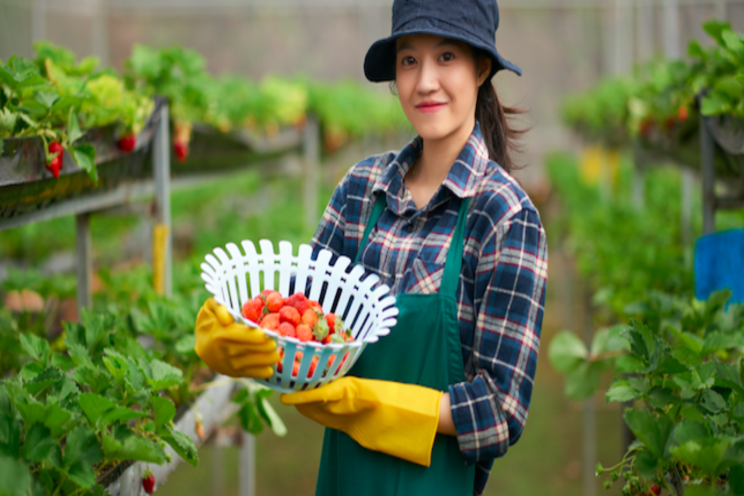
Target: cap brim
x=379, y=63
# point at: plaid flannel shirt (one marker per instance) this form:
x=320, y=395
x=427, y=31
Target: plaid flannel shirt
x=501, y=290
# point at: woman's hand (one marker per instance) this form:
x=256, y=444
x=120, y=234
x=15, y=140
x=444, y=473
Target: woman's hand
x=394, y=418
x=230, y=348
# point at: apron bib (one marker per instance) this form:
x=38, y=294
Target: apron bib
x=423, y=348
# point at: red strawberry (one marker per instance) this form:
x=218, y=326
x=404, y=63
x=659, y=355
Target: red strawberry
x=310, y=317
x=252, y=311
x=304, y=332
x=682, y=115
x=289, y=314
x=274, y=301
x=148, y=482
x=260, y=304
x=295, y=369
x=287, y=329
x=127, y=143
x=270, y=321
x=55, y=163
x=331, y=320
x=313, y=365
x=314, y=305
x=298, y=301
x=655, y=490
x=182, y=150
x=326, y=339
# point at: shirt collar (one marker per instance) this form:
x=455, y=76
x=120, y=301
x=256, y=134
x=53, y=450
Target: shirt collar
x=466, y=172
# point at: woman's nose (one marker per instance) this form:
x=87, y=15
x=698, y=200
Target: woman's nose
x=428, y=78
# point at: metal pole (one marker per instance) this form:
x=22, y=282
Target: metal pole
x=161, y=169
x=312, y=170
x=623, y=37
x=100, y=31
x=644, y=30
x=707, y=166
x=84, y=261
x=247, y=471
x=589, y=430
x=721, y=11
x=38, y=20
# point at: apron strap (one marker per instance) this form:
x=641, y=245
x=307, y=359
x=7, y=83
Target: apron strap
x=377, y=210
x=453, y=264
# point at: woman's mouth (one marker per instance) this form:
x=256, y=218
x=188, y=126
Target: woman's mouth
x=430, y=106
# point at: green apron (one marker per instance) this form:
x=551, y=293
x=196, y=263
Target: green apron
x=423, y=348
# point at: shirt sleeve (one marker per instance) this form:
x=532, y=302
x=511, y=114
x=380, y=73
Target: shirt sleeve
x=490, y=410
x=330, y=232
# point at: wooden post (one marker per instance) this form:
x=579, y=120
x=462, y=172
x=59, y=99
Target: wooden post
x=84, y=261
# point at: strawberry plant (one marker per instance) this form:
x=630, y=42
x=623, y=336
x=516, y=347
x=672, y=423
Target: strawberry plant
x=67, y=417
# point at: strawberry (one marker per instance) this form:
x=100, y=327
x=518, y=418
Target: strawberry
x=326, y=339
x=182, y=151
x=54, y=165
x=314, y=305
x=313, y=366
x=304, y=332
x=287, y=329
x=682, y=115
x=298, y=301
x=148, y=482
x=274, y=301
x=127, y=143
x=289, y=314
x=309, y=317
x=320, y=330
x=331, y=320
x=260, y=304
x=270, y=321
x=252, y=311
x=655, y=490
x=645, y=128
x=295, y=369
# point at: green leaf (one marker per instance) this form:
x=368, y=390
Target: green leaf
x=38, y=443
x=621, y=391
x=73, y=128
x=35, y=346
x=715, y=103
x=163, y=375
x=15, y=477
x=85, y=156
x=690, y=412
x=652, y=431
x=95, y=406
x=704, y=453
x=46, y=98
x=712, y=401
x=65, y=363
x=57, y=418
x=164, y=410
x=688, y=430
x=662, y=397
x=646, y=463
x=727, y=375
x=133, y=448
x=627, y=364
x=10, y=436
x=685, y=355
x=82, y=447
x=567, y=352
x=268, y=412
x=92, y=377
x=117, y=365
x=182, y=445
x=583, y=382
x=736, y=479
x=82, y=474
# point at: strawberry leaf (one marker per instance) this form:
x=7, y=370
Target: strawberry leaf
x=182, y=445
x=85, y=156
x=132, y=448
x=73, y=128
x=164, y=410
x=38, y=443
x=15, y=477
x=46, y=98
x=35, y=346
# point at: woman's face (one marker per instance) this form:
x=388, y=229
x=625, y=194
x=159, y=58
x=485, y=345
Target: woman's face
x=438, y=83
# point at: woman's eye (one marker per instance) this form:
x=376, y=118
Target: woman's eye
x=447, y=56
x=407, y=60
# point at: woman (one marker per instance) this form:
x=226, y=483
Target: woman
x=428, y=408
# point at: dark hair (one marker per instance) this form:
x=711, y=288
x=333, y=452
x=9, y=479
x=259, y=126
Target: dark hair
x=499, y=134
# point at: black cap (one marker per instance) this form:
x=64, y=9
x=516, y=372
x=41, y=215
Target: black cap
x=472, y=21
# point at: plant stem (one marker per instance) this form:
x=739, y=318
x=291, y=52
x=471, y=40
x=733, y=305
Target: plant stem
x=59, y=485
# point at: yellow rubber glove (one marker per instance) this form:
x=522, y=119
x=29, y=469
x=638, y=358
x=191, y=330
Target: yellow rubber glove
x=394, y=418
x=230, y=348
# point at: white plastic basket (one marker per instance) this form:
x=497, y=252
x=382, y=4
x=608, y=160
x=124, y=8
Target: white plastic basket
x=368, y=309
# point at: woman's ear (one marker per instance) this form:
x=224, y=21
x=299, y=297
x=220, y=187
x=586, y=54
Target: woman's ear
x=484, y=69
